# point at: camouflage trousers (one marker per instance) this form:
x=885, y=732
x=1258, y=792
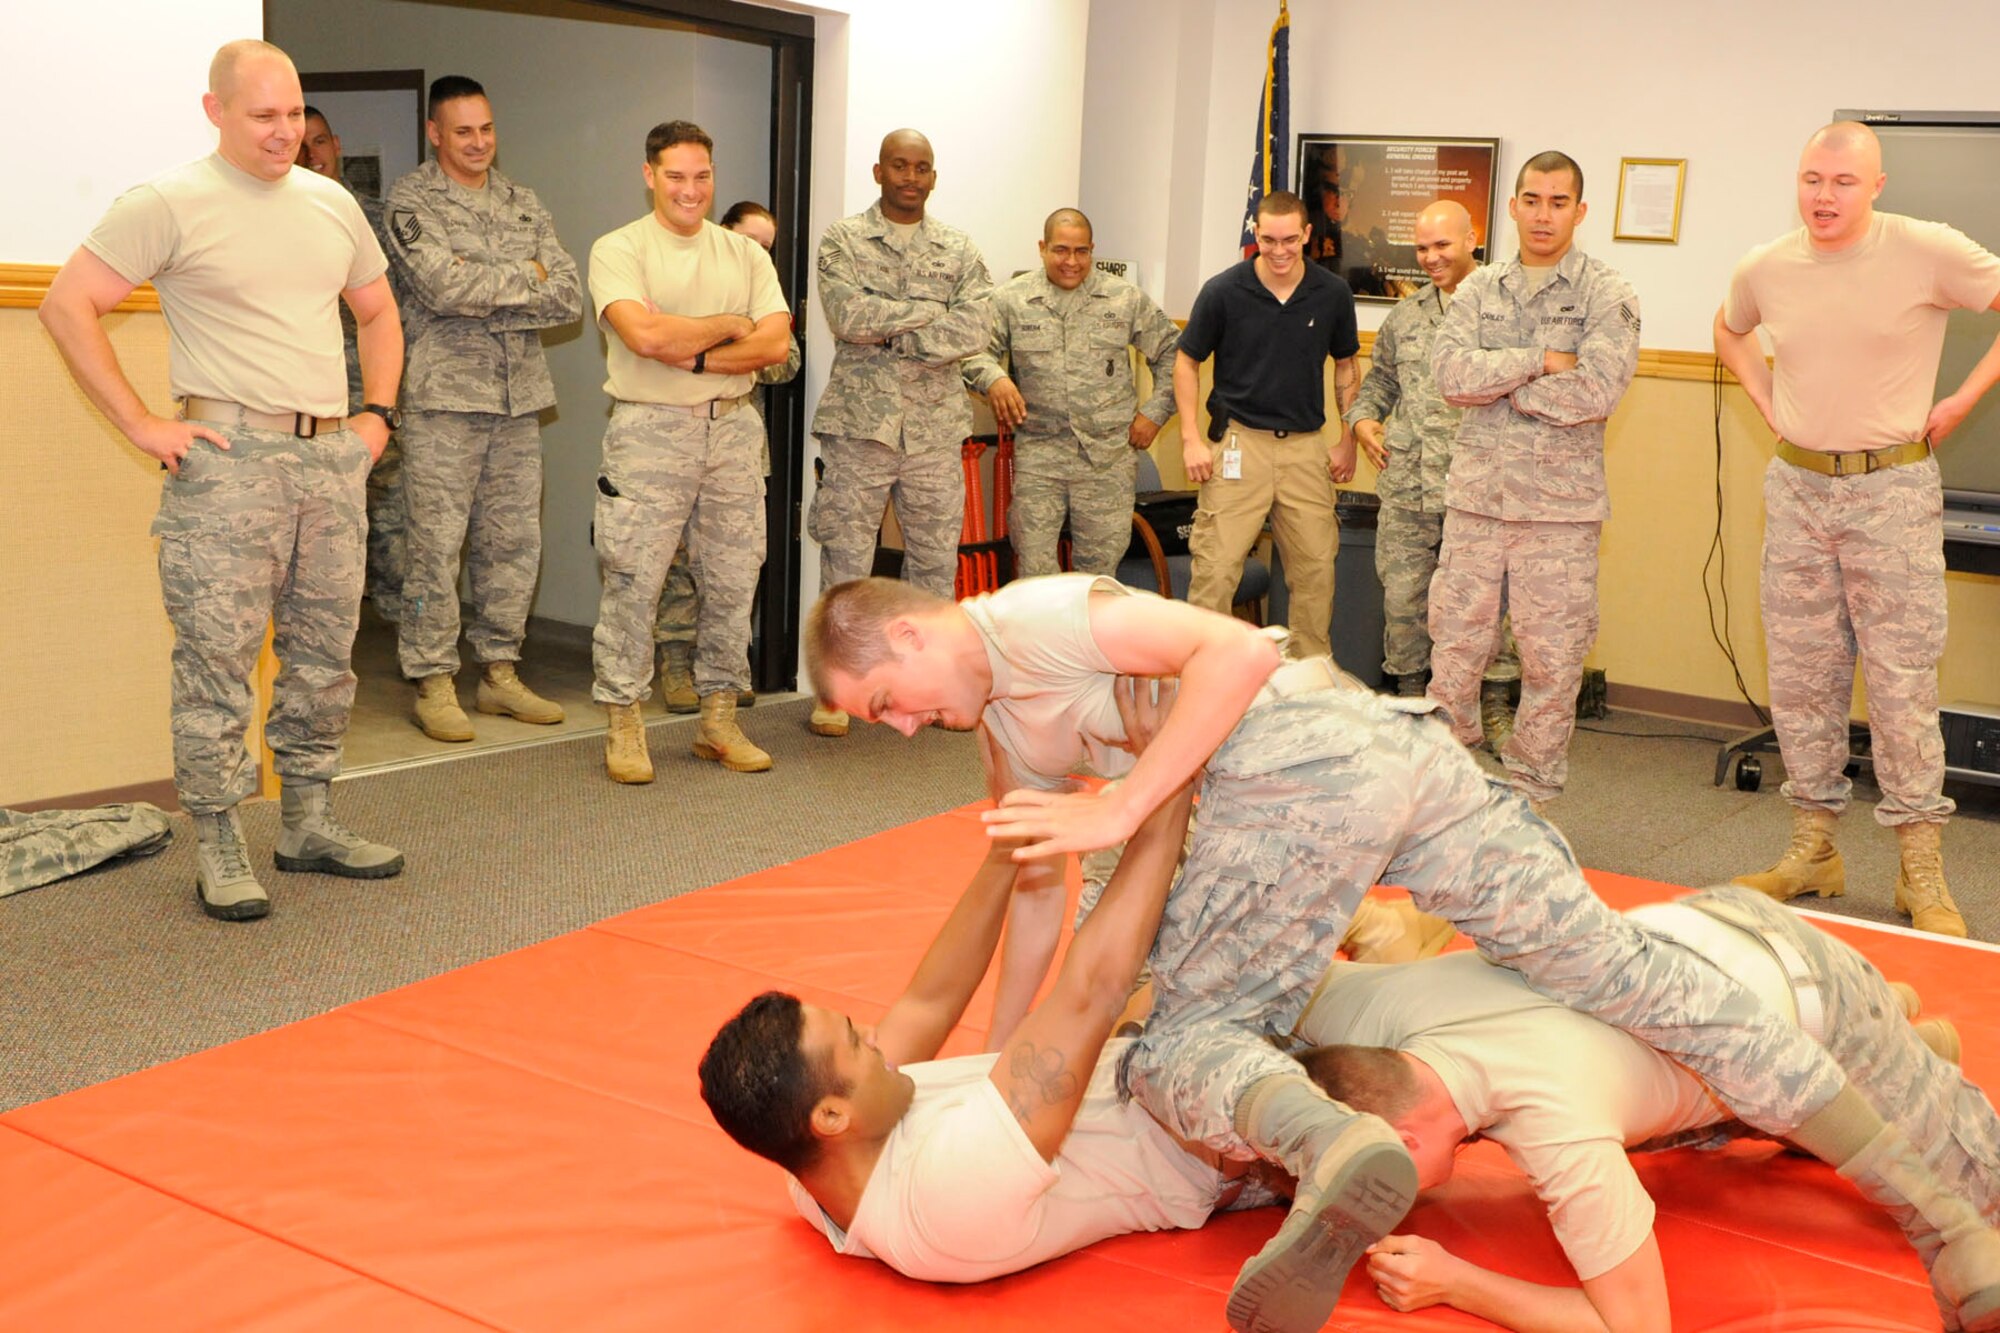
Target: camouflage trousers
x=388, y=556
x=272, y=531
x=472, y=481
x=861, y=478
x=1316, y=797
x=1095, y=501
x=1856, y=563
x=666, y=473
x=1548, y=575
x=1286, y=481
x=1406, y=557
x=678, y=607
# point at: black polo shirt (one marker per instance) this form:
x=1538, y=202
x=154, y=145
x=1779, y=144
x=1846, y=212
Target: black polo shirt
x=1270, y=359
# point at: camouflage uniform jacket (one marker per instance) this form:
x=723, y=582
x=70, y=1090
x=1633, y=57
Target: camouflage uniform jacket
x=37, y=849
x=471, y=303
x=371, y=208
x=1531, y=446
x=903, y=318
x=1066, y=351
x=1399, y=392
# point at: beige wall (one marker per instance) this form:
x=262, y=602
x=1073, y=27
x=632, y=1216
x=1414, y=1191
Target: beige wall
x=84, y=652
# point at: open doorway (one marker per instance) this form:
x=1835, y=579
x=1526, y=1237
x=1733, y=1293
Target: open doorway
x=575, y=85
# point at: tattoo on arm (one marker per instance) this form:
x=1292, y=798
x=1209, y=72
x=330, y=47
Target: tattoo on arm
x=1038, y=1072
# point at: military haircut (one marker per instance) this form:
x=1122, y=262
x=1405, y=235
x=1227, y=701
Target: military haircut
x=1372, y=1079
x=1279, y=203
x=1067, y=217
x=449, y=88
x=1549, y=162
x=314, y=113
x=230, y=56
x=668, y=133
x=847, y=629
x=747, y=208
x=759, y=1085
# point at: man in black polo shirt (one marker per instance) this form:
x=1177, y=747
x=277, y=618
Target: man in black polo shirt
x=1271, y=323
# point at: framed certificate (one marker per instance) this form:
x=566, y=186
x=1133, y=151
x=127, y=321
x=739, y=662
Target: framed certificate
x=1649, y=199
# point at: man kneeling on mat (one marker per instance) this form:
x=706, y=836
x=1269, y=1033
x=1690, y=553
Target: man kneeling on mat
x=1456, y=1048
x=964, y=1169
x=1313, y=790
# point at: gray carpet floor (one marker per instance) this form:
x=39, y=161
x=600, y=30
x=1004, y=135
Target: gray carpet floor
x=118, y=970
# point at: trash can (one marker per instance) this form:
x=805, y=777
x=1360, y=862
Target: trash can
x=1356, y=631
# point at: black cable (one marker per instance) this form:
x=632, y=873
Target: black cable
x=1653, y=735
x=1718, y=559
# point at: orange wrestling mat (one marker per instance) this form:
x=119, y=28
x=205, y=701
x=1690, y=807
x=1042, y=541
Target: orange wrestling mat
x=520, y=1145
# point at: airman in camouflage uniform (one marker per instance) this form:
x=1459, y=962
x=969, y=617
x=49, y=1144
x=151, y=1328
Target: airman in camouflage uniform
x=1538, y=351
x=692, y=312
x=906, y=298
x=1853, y=533
x=1413, y=463
x=1058, y=375
x=674, y=631
x=483, y=273
x=261, y=521
x=387, y=560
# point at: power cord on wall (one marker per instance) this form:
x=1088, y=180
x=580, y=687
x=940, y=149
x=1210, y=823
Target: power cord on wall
x=1718, y=559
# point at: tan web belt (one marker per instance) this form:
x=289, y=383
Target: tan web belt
x=1854, y=464
x=713, y=409
x=221, y=412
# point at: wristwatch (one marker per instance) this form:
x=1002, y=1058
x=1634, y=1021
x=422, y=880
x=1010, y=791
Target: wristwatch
x=388, y=414
x=701, y=362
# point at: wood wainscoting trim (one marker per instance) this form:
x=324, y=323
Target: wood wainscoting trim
x=22, y=287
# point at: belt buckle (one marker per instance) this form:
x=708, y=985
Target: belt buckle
x=1874, y=463
x=304, y=426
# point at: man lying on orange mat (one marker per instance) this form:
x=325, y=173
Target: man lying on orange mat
x=1456, y=1048
x=969, y=1168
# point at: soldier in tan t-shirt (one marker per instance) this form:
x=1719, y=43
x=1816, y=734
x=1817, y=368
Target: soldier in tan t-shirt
x=692, y=312
x=1855, y=303
x=261, y=521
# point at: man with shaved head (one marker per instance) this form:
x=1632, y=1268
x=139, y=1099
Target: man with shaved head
x=1414, y=455
x=1058, y=376
x=907, y=299
x=1855, y=303
x=261, y=520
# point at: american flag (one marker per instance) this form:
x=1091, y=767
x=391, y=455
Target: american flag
x=1274, y=126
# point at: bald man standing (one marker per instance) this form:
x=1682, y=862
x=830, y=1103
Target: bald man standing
x=907, y=299
x=1413, y=455
x=1855, y=304
x=261, y=518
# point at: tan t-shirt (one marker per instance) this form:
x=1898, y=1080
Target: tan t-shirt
x=1564, y=1094
x=1052, y=709
x=713, y=272
x=1858, y=332
x=959, y=1194
x=250, y=274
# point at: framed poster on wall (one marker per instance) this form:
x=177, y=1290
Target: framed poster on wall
x=1363, y=194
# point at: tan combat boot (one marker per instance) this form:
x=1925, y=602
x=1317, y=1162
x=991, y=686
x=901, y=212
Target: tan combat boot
x=1941, y=1035
x=677, y=677
x=1394, y=932
x=625, y=755
x=438, y=713
x=502, y=694
x=827, y=722
x=1920, y=887
x=1496, y=714
x=1811, y=864
x=312, y=840
x=720, y=738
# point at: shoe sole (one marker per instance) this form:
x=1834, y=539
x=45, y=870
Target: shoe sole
x=1948, y=1045
x=1906, y=994
x=250, y=909
x=1293, y=1285
x=437, y=734
x=702, y=751
x=826, y=729
x=326, y=865
x=683, y=710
